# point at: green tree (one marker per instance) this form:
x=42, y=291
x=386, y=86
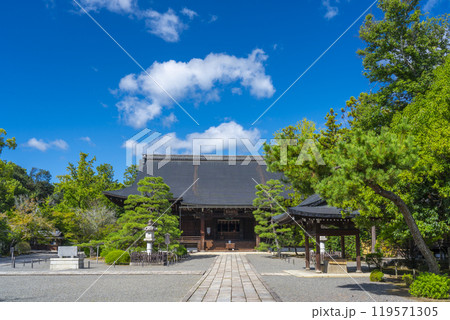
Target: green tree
x=269, y=202
x=152, y=204
x=9, y=143
x=130, y=175
x=369, y=165
x=13, y=183
x=402, y=50
x=27, y=223
x=84, y=184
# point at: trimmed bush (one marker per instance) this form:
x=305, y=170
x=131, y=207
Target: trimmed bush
x=376, y=276
x=181, y=250
x=121, y=256
x=408, y=278
x=375, y=259
x=23, y=247
x=430, y=285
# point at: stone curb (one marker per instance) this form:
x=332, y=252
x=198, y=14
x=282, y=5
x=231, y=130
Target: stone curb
x=312, y=274
x=97, y=273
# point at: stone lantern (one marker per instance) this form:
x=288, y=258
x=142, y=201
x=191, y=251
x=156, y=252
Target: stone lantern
x=149, y=236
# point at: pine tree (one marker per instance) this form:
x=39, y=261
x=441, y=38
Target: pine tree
x=152, y=204
x=269, y=202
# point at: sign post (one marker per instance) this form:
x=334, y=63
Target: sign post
x=167, y=242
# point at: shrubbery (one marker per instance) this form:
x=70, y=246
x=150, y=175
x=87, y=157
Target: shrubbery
x=23, y=247
x=430, y=285
x=375, y=259
x=376, y=276
x=408, y=278
x=121, y=256
x=181, y=250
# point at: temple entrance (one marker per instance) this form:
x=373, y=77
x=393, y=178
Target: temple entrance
x=215, y=229
x=228, y=229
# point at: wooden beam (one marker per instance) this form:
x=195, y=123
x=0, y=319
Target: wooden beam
x=343, y=247
x=202, y=233
x=318, y=266
x=337, y=232
x=307, y=257
x=358, y=253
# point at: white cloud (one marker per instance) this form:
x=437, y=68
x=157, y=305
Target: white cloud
x=226, y=132
x=169, y=120
x=213, y=18
x=117, y=6
x=196, y=80
x=43, y=146
x=190, y=13
x=332, y=11
x=137, y=112
x=237, y=91
x=88, y=140
x=167, y=26
x=430, y=5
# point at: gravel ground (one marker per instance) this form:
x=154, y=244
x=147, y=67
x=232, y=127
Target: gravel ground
x=108, y=287
x=291, y=288
x=124, y=288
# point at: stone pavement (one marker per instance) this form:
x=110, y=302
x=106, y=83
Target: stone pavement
x=231, y=279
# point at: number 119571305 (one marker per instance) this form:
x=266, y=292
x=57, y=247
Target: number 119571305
x=412, y=311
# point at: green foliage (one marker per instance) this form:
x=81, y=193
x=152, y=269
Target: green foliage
x=27, y=223
x=11, y=184
x=130, y=174
x=118, y=257
x=297, y=154
x=23, y=247
x=430, y=285
x=9, y=143
x=334, y=244
x=408, y=279
x=84, y=185
x=152, y=204
x=402, y=50
x=376, y=276
x=181, y=251
x=263, y=247
x=269, y=203
x=375, y=259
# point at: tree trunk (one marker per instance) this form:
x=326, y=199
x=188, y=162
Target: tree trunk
x=411, y=223
x=276, y=238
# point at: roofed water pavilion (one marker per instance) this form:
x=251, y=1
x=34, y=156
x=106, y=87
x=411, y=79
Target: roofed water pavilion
x=318, y=219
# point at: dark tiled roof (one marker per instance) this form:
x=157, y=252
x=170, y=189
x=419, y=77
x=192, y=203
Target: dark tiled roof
x=219, y=183
x=313, y=207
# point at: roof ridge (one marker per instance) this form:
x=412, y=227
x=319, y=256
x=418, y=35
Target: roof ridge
x=190, y=157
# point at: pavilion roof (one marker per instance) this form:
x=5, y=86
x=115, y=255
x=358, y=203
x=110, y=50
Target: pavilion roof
x=314, y=207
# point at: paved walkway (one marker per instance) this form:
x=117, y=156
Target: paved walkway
x=231, y=278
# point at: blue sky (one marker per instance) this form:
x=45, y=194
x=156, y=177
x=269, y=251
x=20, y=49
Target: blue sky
x=67, y=87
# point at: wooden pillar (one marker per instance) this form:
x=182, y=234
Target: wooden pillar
x=307, y=257
x=202, y=233
x=258, y=240
x=318, y=266
x=343, y=247
x=358, y=253
x=374, y=238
